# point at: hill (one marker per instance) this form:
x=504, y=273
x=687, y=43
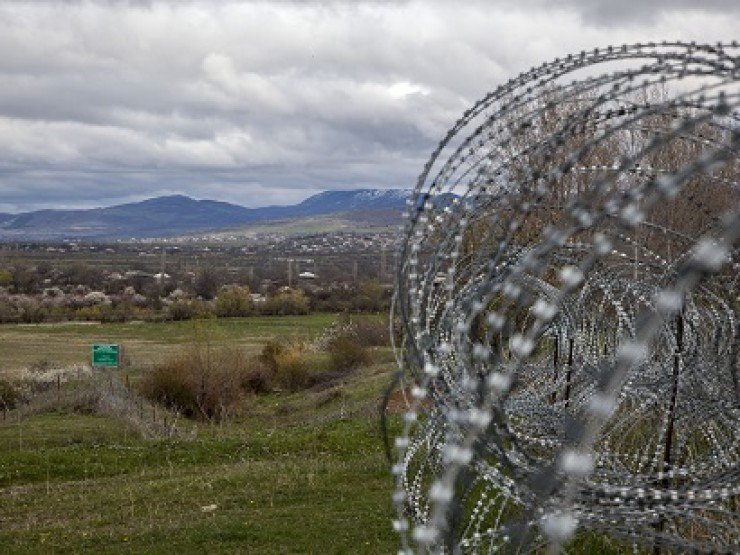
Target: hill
x=178, y=214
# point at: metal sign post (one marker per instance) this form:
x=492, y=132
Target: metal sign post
x=106, y=355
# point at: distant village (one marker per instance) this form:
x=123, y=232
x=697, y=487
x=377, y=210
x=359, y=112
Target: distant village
x=193, y=277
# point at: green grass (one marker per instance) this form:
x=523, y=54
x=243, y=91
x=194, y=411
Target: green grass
x=292, y=477
x=301, y=497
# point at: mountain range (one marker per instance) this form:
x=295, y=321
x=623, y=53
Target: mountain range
x=178, y=214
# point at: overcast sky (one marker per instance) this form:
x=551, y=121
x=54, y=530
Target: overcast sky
x=268, y=102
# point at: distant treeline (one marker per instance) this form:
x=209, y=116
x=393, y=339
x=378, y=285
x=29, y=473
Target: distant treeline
x=138, y=297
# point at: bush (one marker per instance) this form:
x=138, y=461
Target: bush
x=258, y=379
x=31, y=311
x=172, y=384
x=10, y=396
x=292, y=368
x=89, y=313
x=184, y=309
x=180, y=310
x=370, y=297
x=8, y=311
x=203, y=384
x=270, y=353
x=287, y=302
x=234, y=301
x=120, y=312
x=346, y=353
x=370, y=332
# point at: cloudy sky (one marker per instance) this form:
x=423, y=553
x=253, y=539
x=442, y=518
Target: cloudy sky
x=268, y=102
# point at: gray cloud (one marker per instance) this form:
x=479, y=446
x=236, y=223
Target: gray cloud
x=267, y=102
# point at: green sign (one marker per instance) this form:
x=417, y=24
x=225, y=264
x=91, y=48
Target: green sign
x=105, y=355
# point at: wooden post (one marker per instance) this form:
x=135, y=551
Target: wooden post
x=674, y=392
x=668, y=445
x=733, y=366
x=555, y=355
x=570, y=371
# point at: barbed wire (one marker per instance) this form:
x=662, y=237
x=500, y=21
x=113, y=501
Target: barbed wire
x=567, y=296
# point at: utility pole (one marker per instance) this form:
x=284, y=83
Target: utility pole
x=354, y=271
x=382, y=265
x=290, y=272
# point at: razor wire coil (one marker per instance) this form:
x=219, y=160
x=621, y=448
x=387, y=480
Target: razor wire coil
x=566, y=295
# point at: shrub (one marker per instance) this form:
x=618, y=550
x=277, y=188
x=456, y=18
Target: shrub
x=204, y=384
x=292, y=367
x=180, y=310
x=370, y=332
x=120, y=312
x=258, y=379
x=370, y=297
x=346, y=352
x=173, y=385
x=85, y=401
x=10, y=396
x=234, y=301
x=89, y=313
x=8, y=311
x=270, y=353
x=287, y=302
x=31, y=311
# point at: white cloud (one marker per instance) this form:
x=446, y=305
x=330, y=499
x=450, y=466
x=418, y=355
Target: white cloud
x=260, y=101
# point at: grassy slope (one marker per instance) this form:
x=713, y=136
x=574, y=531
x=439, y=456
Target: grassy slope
x=370, y=221
x=300, y=473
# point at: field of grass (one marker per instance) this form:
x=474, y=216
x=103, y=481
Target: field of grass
x=145, y=343
x=297, y=473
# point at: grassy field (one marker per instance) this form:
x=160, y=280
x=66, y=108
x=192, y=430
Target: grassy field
x=297, y=473
x=144, y=343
